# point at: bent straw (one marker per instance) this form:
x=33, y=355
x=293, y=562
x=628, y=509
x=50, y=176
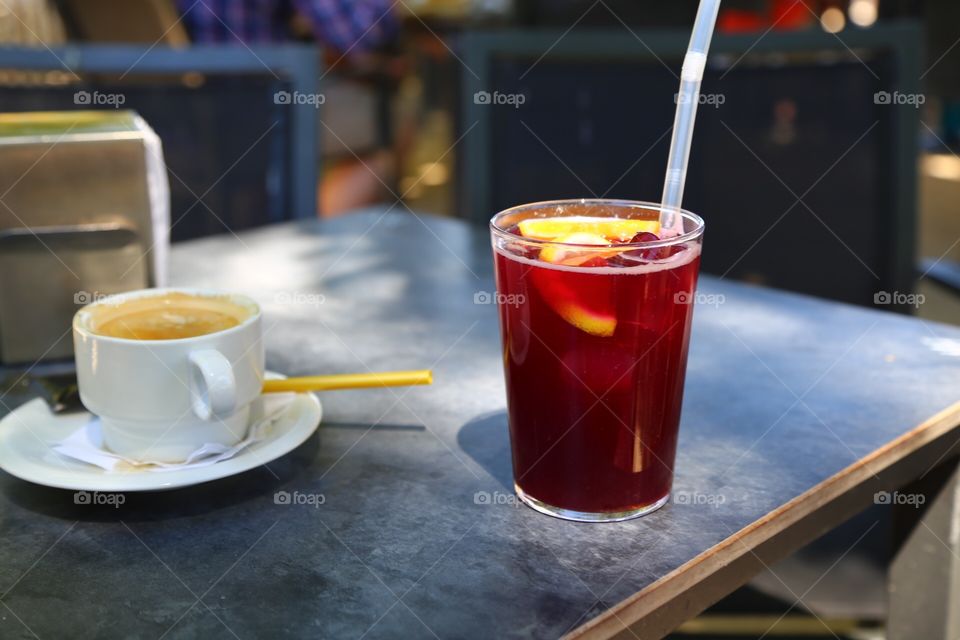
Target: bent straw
x=687, y=99
x=349, y=381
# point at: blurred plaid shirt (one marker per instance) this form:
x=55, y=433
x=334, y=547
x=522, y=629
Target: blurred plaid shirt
x=343, y=25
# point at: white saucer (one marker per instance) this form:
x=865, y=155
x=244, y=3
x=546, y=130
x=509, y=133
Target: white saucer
x=28, y=433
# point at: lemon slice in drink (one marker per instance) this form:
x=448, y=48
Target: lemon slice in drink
x=613, y=229
x=591, y=310
x=572, y=256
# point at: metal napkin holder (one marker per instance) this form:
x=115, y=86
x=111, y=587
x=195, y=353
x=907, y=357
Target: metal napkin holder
x=84, y=212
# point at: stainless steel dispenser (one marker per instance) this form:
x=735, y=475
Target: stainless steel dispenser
x=84, y=212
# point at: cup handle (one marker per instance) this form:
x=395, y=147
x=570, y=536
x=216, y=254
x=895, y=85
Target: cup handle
x=213, y=387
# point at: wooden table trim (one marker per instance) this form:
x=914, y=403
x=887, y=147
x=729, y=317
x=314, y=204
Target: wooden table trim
x=658, y=609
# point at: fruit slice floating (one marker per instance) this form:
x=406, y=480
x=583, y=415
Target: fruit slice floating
x=633, y=257
x=572, y=256
x=586, y=305
x=596, y=322
x=613, y=229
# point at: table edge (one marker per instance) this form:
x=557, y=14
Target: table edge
x=670, y=601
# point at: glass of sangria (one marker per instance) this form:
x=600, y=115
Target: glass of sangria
x=595, y=305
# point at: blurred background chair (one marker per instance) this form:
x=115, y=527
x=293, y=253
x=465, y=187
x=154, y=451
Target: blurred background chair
x=240, y=151
x=804, y=167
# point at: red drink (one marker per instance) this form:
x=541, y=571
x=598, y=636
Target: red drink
x=595, y=348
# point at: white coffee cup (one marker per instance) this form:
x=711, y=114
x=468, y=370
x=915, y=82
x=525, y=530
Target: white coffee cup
x=161, y=400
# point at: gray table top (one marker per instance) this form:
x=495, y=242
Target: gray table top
x=418, y=535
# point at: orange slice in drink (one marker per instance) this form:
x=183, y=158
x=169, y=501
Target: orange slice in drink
x=596, y=321
x=585, y=305
x=574, y=256
x=613, y=229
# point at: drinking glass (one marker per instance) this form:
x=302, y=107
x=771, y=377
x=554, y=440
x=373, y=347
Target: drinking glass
x=595, y=349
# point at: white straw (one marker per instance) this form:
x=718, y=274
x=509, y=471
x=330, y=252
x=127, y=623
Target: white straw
x=687, y=99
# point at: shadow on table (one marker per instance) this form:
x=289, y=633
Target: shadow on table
x=486, y=439
x=135, y=506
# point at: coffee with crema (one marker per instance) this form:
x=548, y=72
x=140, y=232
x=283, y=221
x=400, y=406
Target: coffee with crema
x=168, y=316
